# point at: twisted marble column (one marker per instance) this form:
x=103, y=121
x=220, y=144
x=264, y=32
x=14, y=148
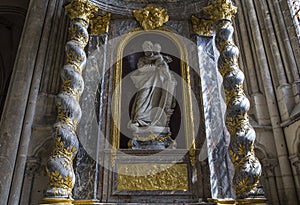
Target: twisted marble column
x=60, y=165
x=241, y=148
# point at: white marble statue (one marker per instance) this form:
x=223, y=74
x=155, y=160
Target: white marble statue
x=154, y=102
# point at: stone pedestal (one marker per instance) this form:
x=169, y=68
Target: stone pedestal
x=153, y=176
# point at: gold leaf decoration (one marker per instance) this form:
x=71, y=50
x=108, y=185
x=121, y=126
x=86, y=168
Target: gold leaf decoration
x=202, y=27
x=151, y=17
x=81, y=9
x=100, y=24
x=142, y=177
x=221, y=9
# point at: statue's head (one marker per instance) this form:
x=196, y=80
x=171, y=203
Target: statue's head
x=148, y=48
x=156, y=48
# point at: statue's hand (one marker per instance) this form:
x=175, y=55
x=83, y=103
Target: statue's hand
x=168, y=59
x=133, y=126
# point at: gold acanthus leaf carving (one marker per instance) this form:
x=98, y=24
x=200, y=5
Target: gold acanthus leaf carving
x=202, y=27
x=81, y=9
x=221, y=9
x=100, y=24
x=151, y=17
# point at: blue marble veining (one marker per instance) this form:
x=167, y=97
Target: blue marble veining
x=214, y=107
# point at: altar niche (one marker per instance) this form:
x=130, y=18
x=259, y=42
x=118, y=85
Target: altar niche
x=178, y=132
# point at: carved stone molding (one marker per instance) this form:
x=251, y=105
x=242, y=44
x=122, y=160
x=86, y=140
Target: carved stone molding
x=32, y=166
x=151, y=17
x=295, y=161
x=269, y=166
x=176, y=8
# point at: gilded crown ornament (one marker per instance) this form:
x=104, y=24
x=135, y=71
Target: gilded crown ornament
x=151, y=17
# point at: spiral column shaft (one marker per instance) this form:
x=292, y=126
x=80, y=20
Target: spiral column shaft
x=241, y=148
x=60, y=165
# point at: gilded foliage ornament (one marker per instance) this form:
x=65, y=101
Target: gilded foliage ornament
x=151, y=17
x=221, y=9
x=202, y=27
x=81, y=9
x=100, y=24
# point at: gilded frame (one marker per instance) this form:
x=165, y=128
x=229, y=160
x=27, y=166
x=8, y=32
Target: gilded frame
x=186, y=87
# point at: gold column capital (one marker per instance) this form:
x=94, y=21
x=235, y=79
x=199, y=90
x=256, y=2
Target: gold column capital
x=100, y=24
x=202, y=27
x=221, y=9
x=151, y=17
x=81, y=9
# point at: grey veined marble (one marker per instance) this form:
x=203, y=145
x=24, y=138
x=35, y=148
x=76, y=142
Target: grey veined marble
x=89, y=135
x=214, y=108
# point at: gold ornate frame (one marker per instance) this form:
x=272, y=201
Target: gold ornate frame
x=186, y=86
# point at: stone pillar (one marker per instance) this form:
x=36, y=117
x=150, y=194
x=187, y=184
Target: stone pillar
x=241, y=148
x=295, y=161
x=269, y=170
x=32, y=167
x=60, y=165
x=18, y=112
x=288, y=188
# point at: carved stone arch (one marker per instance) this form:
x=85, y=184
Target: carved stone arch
x=267, y=179
x=43, y=149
